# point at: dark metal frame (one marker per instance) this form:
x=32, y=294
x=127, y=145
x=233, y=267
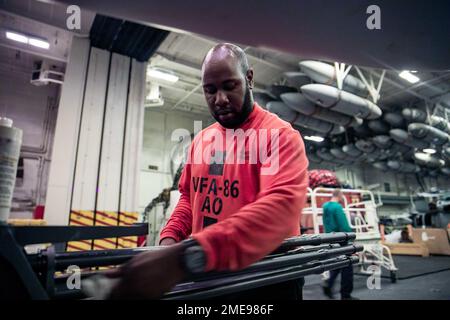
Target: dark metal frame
x=255, y=280
x=296, y=257
x=13, y=257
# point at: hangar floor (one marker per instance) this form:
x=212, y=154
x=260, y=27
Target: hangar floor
x=429, y=280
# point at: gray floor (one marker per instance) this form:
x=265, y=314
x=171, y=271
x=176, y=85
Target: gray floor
x=434, y=286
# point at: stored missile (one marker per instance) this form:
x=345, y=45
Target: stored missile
x=394, y=119
x=428, y=160
x=297, y=102
x=341, y=101
x=402, y=136
x=284, y=112
x=428, y=133
x=296, y=79
x=325, y=73
x=414, y=115
x=382, y=141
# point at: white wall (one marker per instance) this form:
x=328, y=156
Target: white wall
x=159, y=124
x=33, y=109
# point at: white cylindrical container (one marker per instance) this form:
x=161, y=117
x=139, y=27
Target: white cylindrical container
x=10, y=142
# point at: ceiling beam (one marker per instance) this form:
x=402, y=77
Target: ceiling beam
x=258, y=85
x=171, y=87
x=198, y=108
x=418, y=85
x=52, y=13
x=195, y=66
x=34, y=53
x=187, y=95
x=399, y=86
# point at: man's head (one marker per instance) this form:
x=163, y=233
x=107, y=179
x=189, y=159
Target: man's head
x=227, y=83
x=338, y=195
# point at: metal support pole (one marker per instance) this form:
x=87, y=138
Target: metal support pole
x=374, y=92
x=14, y=255
x=341, y=73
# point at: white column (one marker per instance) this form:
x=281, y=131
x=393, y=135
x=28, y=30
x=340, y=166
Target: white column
x=129, y=201
x=98, y=140
x=88, y=155
x=113, y=135
x=59, y=191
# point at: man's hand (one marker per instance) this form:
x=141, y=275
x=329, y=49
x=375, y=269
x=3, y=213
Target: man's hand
x=167, y=242
x=149, y=275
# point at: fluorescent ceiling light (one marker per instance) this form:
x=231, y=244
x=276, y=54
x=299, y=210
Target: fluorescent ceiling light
x=429, y=151
x=158, y=74
x=39, y=43
x=314, y=138
x=409, y=76
x=16, y=37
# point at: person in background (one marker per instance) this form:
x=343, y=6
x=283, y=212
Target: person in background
x=405, y=236
x=335, y=220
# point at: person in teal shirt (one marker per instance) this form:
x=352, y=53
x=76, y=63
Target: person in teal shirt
x=335, y=220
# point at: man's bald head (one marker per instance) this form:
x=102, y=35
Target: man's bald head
x=227, y=84
x=228, y=51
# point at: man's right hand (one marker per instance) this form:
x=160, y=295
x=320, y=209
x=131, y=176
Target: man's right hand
x=149, y=275
x=167, y=242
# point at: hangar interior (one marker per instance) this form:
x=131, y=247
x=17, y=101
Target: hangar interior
x=102, y=109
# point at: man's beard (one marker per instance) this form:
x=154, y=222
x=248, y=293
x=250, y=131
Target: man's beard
x=247, y=108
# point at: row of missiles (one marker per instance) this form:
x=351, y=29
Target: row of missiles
x=388, y=140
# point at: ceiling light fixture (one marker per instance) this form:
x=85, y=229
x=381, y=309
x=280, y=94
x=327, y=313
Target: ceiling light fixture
x=39, y=43
x=429, y=151
x=33, y=41
x=16, y=37
x=408, y=76
x=314, y=138
x=162, y=75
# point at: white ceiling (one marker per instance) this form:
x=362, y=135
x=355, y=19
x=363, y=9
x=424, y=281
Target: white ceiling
x=183, y=55
x=49, y=12
x=58, y=39
x=44, y=19
x=410, y=35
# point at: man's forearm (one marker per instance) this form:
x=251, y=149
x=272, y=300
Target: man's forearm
x=179, y=226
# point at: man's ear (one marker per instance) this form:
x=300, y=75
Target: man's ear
x=249, y=77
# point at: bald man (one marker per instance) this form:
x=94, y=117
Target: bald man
x=242, y=190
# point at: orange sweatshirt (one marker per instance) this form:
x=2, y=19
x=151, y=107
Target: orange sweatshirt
x=239, y=209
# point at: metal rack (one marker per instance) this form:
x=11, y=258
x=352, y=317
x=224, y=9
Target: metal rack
x=362, y=218
x=16, y=270
x=40, y=276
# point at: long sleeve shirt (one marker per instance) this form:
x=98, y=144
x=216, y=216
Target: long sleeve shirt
x=239, y=209
x=334, y=218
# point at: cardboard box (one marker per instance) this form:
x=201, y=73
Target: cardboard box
x=436, y=240
x=412, y=249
